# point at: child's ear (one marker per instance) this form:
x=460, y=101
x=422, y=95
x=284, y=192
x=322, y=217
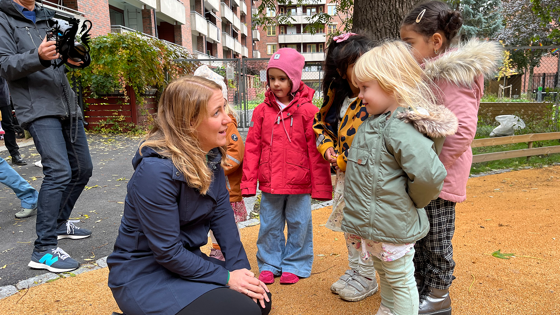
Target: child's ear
x=437, y=39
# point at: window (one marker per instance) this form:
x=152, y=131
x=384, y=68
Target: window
x=292, y=46
x=282, y=30
x=292, y=11
x=331, y=29
x=271, y=31
x=311, y=11
x=311, y=48
x=321, y=9
x=282, y=10
x=331, y=9
x=271, y=48
x=270, y=13
x=320, y=48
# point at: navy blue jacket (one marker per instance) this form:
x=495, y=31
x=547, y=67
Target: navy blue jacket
x=156, y=266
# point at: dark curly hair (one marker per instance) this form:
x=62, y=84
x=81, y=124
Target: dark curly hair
x=339, y=57
x=438, y=17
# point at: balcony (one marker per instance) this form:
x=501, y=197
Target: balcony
x=213, y=33
x=243, y=8
x=255, y=11
x=299, y=19
x=64, y=11
x=256, y=35
x=256, y=54
x=245, y=52
x=226, y=12
x=236, y=22
x=212, y=5
x=119, y=29
x=227, y=41
x=236, y=2
x=302, y=38
x=171, y=11
x=312, y=2
x=238, y=47
x=199, y=23
x=316, y=56
x=244, y=29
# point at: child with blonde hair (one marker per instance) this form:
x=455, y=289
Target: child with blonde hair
x=393, y=169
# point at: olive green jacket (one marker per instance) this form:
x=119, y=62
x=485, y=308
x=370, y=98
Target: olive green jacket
x=394, y=172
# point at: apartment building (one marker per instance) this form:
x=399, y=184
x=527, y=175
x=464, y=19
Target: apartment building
x=311, y=46
x=207, y=28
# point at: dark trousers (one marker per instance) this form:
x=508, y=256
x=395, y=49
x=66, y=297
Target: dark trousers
x=433, y=259
x=225, y=301
x=8, y=126
x=67, y=168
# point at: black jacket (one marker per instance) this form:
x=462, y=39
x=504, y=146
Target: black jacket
x=37, y=89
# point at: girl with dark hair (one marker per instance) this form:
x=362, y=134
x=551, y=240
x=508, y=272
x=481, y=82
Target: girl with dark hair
x=335, y=126
x=431, y=28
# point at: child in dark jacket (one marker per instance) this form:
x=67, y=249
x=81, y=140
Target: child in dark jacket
x=280, y=153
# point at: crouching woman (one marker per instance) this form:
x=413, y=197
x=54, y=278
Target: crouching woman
x=176, y=195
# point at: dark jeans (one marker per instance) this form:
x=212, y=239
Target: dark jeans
x=8, y=126
x=225, y=301
x=67, y=168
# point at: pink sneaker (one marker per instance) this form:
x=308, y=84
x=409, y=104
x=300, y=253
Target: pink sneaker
x=288, y=278
x=267, y=277
x=214, y=253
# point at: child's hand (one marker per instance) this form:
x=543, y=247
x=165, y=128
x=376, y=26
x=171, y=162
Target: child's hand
x=330, y=156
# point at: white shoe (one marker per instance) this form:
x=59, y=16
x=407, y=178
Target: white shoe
x=358, y=288
x=342, y=281
x=39, y=164
x=383, y=310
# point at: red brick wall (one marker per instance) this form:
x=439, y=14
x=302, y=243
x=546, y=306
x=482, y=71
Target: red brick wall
x=183, y=32
x=148, y=22
x=249, y=42
x=95, y=10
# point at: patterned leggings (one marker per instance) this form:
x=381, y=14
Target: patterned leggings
x=434, y=253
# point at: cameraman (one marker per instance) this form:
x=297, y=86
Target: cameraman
x=46, y=106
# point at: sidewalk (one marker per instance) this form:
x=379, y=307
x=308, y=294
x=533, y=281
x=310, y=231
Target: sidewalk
x=514, y=212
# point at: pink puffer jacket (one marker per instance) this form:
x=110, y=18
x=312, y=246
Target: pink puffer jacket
x=459, y=74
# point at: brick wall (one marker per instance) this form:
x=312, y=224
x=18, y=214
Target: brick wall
x=97, y=11
x=148, y=22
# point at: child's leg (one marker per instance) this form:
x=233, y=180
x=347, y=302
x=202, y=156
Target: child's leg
x=398, y=287
x=356, y=260
x=271, y=241
x=298, y=255
x=362, y=282
x=439, y=264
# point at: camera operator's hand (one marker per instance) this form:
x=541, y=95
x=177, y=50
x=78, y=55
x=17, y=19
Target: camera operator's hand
x=47, y=50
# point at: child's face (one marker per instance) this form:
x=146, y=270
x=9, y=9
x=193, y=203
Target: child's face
x=280, y=84
x=375, y=99
x=422, y=48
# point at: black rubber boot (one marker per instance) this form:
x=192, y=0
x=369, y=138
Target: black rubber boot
x=435, y=302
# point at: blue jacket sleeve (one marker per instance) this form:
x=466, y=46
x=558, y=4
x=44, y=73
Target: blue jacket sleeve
x=225, y=229
x=154, y=194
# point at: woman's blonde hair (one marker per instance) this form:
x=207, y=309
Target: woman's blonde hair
x=393, y=66
x=182, y=107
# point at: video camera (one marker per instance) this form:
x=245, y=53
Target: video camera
x=64, y=34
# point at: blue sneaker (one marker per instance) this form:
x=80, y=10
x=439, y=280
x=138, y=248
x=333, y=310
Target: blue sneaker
x=54, y=260
x=69, y=230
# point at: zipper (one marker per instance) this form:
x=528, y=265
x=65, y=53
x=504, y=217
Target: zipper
x=29, y=33
x=376, y=165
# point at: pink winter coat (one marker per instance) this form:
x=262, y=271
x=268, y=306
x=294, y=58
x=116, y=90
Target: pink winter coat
x=459, y=74
x=280, y=150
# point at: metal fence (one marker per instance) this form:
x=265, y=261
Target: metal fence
x=247, y=82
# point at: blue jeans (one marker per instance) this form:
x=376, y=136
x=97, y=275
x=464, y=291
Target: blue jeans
x=398, y=286
x=22, y=189
x=67, y=168
x=274, y=253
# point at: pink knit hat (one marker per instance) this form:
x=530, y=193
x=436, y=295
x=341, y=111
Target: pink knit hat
x=291, y=62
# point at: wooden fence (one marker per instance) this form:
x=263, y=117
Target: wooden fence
x=530, y=151
x=110, y=109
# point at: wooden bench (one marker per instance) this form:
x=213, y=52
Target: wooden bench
x=530, y=138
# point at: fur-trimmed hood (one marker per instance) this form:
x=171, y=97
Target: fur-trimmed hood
x=463, y=64
x=435, y=121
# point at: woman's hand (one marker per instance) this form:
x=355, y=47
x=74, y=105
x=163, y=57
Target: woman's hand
x=244, y=281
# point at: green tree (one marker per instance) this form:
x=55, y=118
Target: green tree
x=481, y=18
x=549, y=13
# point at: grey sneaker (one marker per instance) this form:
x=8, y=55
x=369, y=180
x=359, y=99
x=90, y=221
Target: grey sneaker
x=24, y=213
x=358, y=288
x=342, y=281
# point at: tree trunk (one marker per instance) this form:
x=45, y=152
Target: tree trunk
x=380, y=19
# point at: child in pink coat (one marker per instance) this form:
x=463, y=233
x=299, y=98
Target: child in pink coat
x=458, y=74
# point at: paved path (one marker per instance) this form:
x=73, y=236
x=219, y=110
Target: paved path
x=99, y=208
